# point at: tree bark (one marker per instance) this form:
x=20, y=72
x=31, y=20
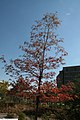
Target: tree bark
x=37, y=107
x=37, y=99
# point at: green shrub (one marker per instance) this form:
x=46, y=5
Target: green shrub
x=21, y=116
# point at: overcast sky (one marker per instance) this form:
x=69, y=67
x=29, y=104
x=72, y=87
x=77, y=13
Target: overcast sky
x=17, y=17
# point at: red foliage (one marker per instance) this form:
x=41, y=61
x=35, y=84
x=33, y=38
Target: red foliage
x=21, y=88
x=49, y=93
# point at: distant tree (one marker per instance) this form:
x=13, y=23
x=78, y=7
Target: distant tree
x=42, y=55
x=3, y=87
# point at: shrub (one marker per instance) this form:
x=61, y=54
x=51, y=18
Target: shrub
x=21, y=116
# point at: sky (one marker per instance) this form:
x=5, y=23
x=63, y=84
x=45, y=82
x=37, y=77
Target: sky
x=17, y=17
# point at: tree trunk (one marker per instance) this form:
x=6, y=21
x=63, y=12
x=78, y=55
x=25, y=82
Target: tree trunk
x=37, y=107
x=37, y=99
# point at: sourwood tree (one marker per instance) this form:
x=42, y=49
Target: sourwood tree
x=42, y=54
